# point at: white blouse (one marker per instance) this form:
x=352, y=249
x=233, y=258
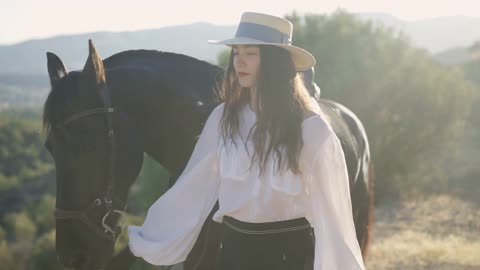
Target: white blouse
x=217, y=171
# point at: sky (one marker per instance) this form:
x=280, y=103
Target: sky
x=28, y=19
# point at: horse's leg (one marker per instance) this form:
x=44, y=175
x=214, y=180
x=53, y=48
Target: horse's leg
x=204, y=253
x=362, y=203
x=371, y=208
x=122, y=261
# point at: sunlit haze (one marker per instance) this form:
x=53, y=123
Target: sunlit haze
x=27, y=19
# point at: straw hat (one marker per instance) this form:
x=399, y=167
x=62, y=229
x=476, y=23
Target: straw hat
x=264, y=29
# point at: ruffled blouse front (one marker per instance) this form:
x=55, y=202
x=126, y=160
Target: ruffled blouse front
x=218, y=170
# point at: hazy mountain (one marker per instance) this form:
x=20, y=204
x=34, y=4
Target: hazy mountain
x=29, y=57
x=23, y=66
x=25, y=62
x=444, y=33
x=437, y=34
x=454, y=56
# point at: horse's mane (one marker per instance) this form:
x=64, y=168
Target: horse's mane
x=154, y=56
x=55, y=103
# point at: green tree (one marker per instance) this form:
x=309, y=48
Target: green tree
x=42, y=212
x=222, y=59
x=413, y=108
x=44, y=256
x=6, y=257
x=150, y=185
x=22, y=232
x=22, y=226
x=23, y=158
x=474, y=49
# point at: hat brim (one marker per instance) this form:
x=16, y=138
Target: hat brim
x=302, y=59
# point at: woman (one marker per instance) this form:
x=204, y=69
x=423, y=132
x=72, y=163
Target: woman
x=268, y=154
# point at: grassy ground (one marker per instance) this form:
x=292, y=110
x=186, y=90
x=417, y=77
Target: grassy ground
x=439, y=232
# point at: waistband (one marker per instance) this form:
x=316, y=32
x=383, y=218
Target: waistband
x=296, y=224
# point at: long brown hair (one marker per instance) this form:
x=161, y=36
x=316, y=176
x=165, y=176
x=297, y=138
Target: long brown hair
x=281, y=103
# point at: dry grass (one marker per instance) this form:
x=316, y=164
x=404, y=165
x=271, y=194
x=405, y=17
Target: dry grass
x=439, y=232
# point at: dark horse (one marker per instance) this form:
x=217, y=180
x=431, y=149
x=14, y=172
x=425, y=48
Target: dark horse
x=101, y=120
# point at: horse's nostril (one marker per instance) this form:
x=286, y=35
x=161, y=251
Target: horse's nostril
x=79, y=260
x=74, y=261
x=66, y=260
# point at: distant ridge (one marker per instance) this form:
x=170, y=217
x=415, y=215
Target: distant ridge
x=23, y=72
x=29, y=56
x=435, y=35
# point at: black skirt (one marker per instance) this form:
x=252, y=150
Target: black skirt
x=282, y=245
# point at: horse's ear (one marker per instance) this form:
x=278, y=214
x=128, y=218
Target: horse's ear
x=56, y=68
x=93, y=72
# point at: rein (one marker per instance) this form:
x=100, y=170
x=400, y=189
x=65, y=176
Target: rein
x=105, y=231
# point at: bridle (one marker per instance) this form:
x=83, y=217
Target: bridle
x=105, y=231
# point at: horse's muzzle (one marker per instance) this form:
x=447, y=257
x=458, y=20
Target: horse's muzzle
x=77, y=261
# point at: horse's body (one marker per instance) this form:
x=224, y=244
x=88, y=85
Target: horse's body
x=166, y=99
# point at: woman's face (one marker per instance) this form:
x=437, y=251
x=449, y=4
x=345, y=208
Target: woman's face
x=246, y=61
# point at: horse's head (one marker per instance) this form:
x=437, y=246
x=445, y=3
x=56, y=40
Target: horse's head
x=97, y=154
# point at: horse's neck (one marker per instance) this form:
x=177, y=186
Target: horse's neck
x=168, y=125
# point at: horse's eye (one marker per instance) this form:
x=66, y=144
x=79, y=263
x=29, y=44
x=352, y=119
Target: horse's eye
x=88, y=146
x=85, y=141
x=90, y=140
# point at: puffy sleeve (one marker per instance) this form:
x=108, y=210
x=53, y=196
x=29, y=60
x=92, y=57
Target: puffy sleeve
x=174, y=221
x=329, y=209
